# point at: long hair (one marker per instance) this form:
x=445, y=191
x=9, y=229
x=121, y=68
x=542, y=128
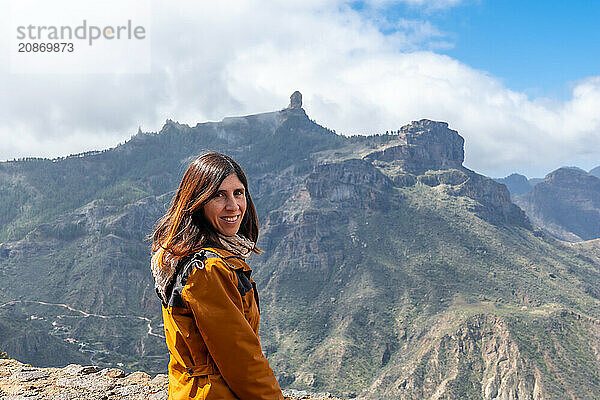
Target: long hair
x=183, y=230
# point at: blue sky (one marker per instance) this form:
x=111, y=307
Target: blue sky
x=539, y=47
x=519, y=80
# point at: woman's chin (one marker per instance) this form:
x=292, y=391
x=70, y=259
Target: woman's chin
x=229, y=231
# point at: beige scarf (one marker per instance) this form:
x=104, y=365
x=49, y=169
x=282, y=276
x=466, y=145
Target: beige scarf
x=237, y=244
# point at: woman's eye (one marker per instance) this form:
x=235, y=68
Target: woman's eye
x=239, y=192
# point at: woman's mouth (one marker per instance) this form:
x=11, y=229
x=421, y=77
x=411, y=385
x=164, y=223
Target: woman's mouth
x=230, y=219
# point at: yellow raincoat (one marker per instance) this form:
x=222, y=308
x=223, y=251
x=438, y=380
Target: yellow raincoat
x=211, y=319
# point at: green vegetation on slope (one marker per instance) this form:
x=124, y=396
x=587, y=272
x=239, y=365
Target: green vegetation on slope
x=375, y=283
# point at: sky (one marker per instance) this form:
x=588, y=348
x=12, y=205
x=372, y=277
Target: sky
x=519, y=80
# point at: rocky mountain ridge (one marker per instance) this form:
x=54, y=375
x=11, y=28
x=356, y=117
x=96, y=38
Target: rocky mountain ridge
x=566, y=204
x=516, y=184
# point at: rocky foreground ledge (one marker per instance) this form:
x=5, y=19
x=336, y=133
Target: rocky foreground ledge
x=20, y=381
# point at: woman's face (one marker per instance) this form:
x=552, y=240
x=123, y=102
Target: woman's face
x=226, y=208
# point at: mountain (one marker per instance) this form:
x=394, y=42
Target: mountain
x=390, y=270
x=566, y=204
x=516, y=183
x=563, y=205
x=535, y=181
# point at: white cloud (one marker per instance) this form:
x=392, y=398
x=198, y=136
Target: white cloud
x=216, y=59
x=426, y=4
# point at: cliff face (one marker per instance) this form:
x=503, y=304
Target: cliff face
x=566, y=204
x=356, y=183
x=485, y=357
x=426, y=145
x=386, y=261
x=480, y=359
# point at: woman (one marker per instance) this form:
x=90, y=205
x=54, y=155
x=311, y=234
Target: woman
x=210, y=303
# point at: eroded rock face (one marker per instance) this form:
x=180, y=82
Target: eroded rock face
x=430, y=145
x=478, y=360
x=566, y=204
x=355, y=182
x=494, y=200
x=296, y=100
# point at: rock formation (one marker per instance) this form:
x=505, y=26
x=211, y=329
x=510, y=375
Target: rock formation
x=516, y=184
x=424, y=145
x=76, y=382
x=296, y=100
x=566, y=204
x=483, y=344
x=20, y=381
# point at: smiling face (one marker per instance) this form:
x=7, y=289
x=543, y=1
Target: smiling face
x=225, y=210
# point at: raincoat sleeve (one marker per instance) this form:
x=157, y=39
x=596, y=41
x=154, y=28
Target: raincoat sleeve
x=212, y=295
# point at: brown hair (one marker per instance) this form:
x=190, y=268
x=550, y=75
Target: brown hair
x=183, y=230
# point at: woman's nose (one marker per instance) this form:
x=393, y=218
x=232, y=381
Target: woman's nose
x=231, y=204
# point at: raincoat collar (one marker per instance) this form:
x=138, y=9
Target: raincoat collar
x=236, y=262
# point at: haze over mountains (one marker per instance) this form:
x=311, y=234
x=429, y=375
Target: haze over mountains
x=390, y=270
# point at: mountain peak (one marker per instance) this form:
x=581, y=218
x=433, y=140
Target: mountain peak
x=424, y=124
x=424, y=145
x=567, y=174
x=294, y=109
x=565, y=204
x=295, y=100
x=516, y=183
